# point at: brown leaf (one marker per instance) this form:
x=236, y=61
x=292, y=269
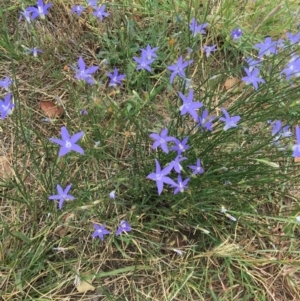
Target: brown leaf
x=67, y=229
x=6, y=171
x=50, y=109
x=231, y=83
x=84, y=286
x=66, y=68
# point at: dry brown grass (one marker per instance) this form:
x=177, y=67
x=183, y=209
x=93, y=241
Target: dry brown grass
x=257, y=257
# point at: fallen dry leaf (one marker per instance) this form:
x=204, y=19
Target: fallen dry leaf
x=66, y=68
x=6, y=171
x=50, y=109
x=231, y=83
x=67, y=229
x=89, y=10
x=84, y=286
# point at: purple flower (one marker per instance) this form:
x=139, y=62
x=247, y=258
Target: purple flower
x=293, y=38
x=115, y=78
x=296, y=147
x=92, y=3
x=100, y=12
x=209, y=49
x=161, y=140
x=266, y=48
x=190, y=106
x=143, y=62
x=149, y=52
x=279, y=132
x=160, y=176
x=176, y=163
x=181, y=185
x=40, y=11
x=252, y=78
x=124, y=227
x=292, y=68
x=196, y=28
x=85, y=74
x=197, y=169
x=100, y=231
x=35, y=51
x=6, y=83
x=68, y=143
x=26, y=14
x=62, y=195
x=78, y=9
x=179, y=146
x=6, y=106
x=112, y=194
x=205, y=121
x=252, y=63
x=178, y=68
x=236, y=34
x=230, y=122
x=83, y=112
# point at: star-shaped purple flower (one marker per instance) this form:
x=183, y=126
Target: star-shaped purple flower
x=26, y=14
x=179, y=146
x=266, y=48
x=149, y=52
x=230, y=122
x=161, y=140
x=40, y=11
x=279, y=132
x=190, y=106
x=209, y=49
x=78, y=9
x=178, y=68
x=124, y=227
x=100, y=231
x=35, y=51
x=252, y=63
x=296, y=147
x=181, y=185
x=160, y=176
x=62, y=195
x=6, y=106
x=6, y=83
x=205, y=121
x=197, y=169
x=143, y=62
x=236, y=34
x=92, y=3
x=292, y=68
x=85, y=74
x=176, y=163
x=252, y=78
x=115, y=78
x=196, y=28
x=68, y=143
x=100, y=12
x=293, y=38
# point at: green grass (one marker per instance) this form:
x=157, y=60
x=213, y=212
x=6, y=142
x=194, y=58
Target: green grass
x=43, y=250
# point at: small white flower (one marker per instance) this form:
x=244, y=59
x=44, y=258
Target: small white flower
x=112, y=194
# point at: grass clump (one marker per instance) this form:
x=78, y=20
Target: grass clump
x=226, y=228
